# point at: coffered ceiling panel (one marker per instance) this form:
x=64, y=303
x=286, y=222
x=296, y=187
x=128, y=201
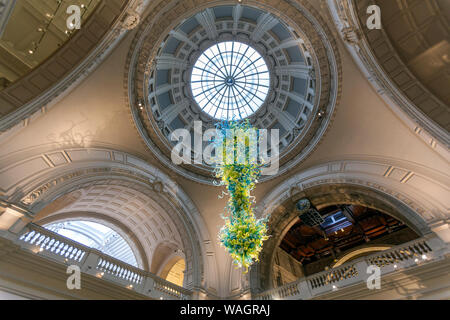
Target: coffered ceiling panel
x=414, y=44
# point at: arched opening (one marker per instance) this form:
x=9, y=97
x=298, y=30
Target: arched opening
x=321, y=239
x=328, y=199
x=133, y=213
x=174, y=271
x=97, y=236
x=55, y=214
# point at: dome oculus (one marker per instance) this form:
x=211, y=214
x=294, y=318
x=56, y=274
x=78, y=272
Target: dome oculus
x=230, y=81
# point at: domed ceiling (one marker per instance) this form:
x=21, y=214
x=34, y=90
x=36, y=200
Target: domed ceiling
x=220, y=61
x=31, y=32
x=42, y=54
x=413, y=47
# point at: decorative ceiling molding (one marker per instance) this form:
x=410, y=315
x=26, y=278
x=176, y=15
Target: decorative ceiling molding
x=407, y=195
x=358, y=251
x=165, y=19
x=47, y=177
x=33, y=94
x=407, y=99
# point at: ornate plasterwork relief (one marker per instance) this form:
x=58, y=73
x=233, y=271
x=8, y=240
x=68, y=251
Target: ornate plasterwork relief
x=350, y=35
x=131, y=20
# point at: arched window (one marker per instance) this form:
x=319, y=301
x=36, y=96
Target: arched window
x=96, y=236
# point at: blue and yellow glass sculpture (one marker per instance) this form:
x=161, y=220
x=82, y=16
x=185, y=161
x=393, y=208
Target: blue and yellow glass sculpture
x=243, y=234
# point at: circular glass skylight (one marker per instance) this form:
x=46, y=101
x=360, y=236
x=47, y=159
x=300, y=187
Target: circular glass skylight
x=230, y=81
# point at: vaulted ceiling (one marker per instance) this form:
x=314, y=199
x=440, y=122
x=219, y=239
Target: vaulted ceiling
x=38, y=53
x=413, y=47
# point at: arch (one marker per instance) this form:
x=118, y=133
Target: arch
x=381, y=186
x=176, y=272
x=166, y=256
x=126, y=202
x=173, y=260
x=97, y=236
x=27, y=106
x=165, y=253
x=124, y=231
x=93, y=167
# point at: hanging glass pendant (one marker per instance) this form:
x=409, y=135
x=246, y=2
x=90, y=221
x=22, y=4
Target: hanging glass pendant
x=243, y=234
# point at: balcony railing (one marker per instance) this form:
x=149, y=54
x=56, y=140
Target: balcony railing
x=420, y=251
x=61, y=249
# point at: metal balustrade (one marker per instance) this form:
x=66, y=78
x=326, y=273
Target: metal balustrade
x=61, y=249
x=354, y=272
